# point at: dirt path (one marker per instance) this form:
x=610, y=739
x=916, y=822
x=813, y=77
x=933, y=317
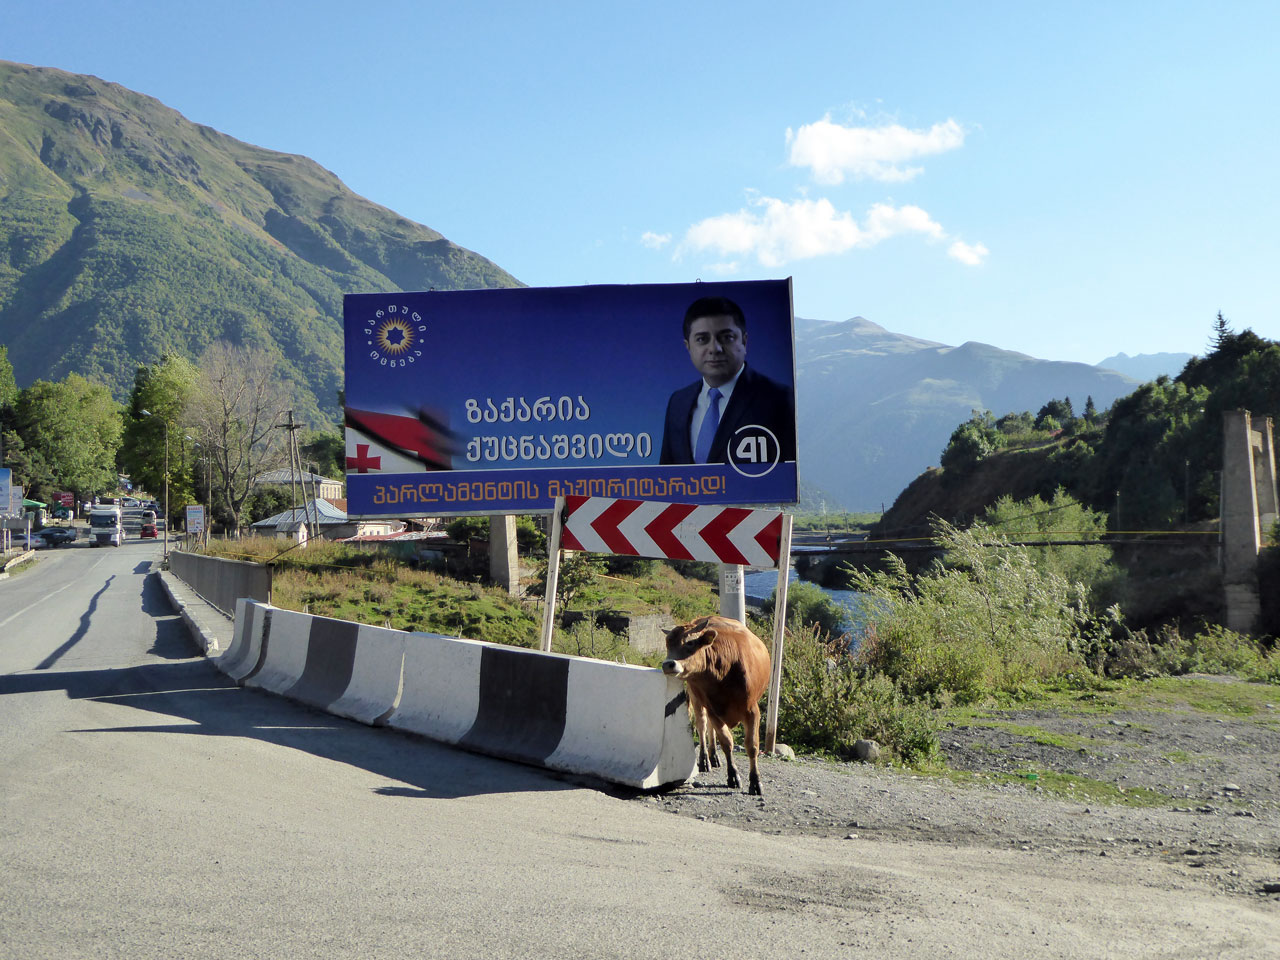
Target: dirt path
x=1189, y=779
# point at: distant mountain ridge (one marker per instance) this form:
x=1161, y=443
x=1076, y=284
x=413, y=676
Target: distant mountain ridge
x=1147, y=366
x=126, y=232
x=875, y=408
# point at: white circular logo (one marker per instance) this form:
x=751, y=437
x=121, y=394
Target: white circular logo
x=754, y=450
x=394, y=336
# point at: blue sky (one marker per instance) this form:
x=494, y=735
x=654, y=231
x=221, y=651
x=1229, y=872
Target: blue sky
x=1066, y=180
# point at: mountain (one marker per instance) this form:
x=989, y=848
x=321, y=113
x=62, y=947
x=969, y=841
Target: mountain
x=874, y=409
x=1147, y=366
x=127, y=232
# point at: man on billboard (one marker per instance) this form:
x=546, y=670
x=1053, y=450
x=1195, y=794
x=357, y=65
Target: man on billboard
x=731, y=407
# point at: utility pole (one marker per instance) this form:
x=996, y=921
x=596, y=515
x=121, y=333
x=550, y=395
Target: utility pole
x=295, y=468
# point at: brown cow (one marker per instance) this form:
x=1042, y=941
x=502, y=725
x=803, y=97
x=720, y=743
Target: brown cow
x=726, y=670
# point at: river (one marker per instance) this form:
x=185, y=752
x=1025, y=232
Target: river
x=759, y=585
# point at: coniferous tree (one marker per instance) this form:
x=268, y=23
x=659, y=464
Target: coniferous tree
x=1220, y=332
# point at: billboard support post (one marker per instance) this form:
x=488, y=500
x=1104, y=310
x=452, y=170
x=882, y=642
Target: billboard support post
x=553, y=575
x=779, y=632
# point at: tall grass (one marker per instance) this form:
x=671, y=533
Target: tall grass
x=987, y=621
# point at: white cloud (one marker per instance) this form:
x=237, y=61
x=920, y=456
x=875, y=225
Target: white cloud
x=973, y=255
x=833, y=152
x=655, y=241
x=776, y=232
x=885, y=220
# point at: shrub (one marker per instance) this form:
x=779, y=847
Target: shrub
x=586, y=638
x=987, y=622
x=827, y=706
x=622, y=566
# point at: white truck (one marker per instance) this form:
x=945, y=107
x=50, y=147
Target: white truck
x=105, y=528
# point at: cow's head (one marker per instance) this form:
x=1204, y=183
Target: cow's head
x=684, y=644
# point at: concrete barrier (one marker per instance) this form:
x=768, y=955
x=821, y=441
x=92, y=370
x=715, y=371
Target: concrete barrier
x=441, y=694
x=221, y=581
x=244, y=654
x=624, y=724
x=374, y=688
x=284, y=652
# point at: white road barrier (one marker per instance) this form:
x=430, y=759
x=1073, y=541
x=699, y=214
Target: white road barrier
x=624, y=724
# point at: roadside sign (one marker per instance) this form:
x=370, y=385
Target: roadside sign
x=195, y=518
x=6, y=488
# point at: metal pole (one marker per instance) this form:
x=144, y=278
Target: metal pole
x=166, y=489
x=553, y=576
x=779, y=632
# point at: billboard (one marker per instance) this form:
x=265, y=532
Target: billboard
x=6, y=490
x=195, y=518
x=498, y=401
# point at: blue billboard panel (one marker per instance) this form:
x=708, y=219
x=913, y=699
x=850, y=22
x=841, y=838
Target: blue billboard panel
x=498, y=401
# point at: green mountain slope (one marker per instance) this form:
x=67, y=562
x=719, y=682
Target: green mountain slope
x=128, y=232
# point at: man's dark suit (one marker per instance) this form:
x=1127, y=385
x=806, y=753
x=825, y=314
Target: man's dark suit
x=756, y=399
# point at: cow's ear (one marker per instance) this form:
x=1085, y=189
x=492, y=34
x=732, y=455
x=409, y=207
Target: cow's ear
x=704, y=639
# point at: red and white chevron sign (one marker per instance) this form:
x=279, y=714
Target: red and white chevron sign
x=674, y=531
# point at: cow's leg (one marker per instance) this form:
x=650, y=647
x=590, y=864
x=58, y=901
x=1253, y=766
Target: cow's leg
x=698, y=714
x=725, y=737
x=751, y=738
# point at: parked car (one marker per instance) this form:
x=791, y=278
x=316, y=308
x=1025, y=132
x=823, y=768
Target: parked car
x=61, y=513
x=148, y=531
x=57, y=536
x=33, y=542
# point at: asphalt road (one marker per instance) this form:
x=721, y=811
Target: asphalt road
x=150, y=808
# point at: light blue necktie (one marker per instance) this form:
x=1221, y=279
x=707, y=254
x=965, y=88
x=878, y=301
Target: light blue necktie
x=708, y=429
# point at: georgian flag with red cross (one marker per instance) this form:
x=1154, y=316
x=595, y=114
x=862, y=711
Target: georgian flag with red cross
x=397, y=443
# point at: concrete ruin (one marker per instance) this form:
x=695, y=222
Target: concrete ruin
x=1250, y=507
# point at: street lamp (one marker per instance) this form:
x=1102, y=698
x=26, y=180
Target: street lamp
x=147, y=413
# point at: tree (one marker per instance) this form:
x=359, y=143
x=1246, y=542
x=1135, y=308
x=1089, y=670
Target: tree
x=163, y=391
x=236, y=406
x=1058, y=410
x=28, y=466
x=1090, y=411
x=74, y=427
x=327, y=450
x=8, y=385
x=971, y=442
x=1221, y=330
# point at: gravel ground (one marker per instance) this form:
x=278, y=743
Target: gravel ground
x=1213, y=810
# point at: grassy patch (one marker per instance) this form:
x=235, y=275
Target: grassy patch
x=1226, y=696
x=1211, y=695
x=1046, y=738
